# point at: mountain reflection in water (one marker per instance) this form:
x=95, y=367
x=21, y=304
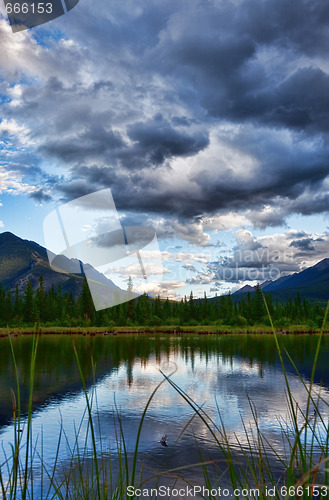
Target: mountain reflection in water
x=230, y=376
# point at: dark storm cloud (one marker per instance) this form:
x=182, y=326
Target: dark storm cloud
x=285, y=171
x=90, y=137
x=134, y=88
x=218, y=52
x=288, y=176
x=75, y=189
x=131, y=191
x=263, y=219
x=289, y=24
x=40, y=196
x=314, y=203
x=301, y=101
x=95, y=142
x=305, y=244
x=159, y=141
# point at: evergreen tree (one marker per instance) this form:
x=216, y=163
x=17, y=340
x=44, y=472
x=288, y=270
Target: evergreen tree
x=87, y=305
x=166, y=312
x=29, y=303
x=40, y=301
x=17, y=310
x=143, y=309
x=229, y=308
x=258, y=307
x=131, y=306
x=7, y=308
x=191, y=307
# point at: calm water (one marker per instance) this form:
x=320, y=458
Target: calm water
x=228, y=375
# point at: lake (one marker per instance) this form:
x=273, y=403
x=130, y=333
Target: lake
x=236, y=380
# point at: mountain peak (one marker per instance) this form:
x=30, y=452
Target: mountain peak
x=22, y=260
x=7, y=235
x=323, y=264
x=252, y=288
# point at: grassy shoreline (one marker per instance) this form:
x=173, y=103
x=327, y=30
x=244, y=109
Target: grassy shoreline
x=172, y=330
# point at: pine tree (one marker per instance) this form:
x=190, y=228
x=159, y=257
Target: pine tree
x=258, y=307
x=229, y=308
x=142, y=309
x=166, y=312
x=87, y=305
x=29, y=303
x=191, y=306
x=131, y=306
x=17, y=311
x=40, y=301
x=7, y=308
x=2, y=305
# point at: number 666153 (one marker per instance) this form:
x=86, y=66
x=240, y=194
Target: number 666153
x=25, y=8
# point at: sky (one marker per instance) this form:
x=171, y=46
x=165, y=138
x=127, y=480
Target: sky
x=207, y=119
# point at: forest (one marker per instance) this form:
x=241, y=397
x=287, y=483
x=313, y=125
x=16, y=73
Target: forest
x=54, y=308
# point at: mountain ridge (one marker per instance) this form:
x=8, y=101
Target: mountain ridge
x=311, y=283
x=22, y=260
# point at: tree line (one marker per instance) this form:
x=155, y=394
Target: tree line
x=55, y=308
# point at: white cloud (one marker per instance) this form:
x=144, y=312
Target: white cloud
x=11, y=182
x=21, y=55
x=224, y=222
x=202, y=278
x=188, y=230
x=177, y=257
x=164, y=289
x=134, y=270
x=12, y=129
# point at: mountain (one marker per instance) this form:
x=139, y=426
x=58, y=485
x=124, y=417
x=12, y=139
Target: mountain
x=312, y=284
x=21, y=260
x=277, y=284
x=309, y=277
x=249, y=288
